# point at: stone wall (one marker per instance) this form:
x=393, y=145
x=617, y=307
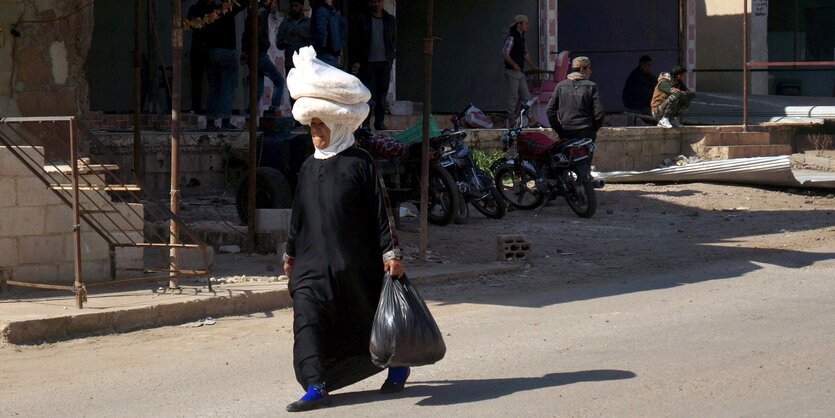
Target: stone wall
x=36, y=240
x=43, y=51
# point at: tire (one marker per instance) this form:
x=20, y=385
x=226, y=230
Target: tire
x=493, y=205
x=272, y=191
x=444, y=198
x=462, y=215
x=580, y=195
x=517, y=186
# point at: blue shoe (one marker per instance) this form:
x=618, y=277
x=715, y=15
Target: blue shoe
x=315, y=398
x=396, y=380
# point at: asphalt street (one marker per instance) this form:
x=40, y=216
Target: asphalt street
x=758, y=342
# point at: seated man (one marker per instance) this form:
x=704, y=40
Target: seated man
x=671, y=98
x=637, y=92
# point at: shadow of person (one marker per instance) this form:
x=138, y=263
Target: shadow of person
x=453, y=392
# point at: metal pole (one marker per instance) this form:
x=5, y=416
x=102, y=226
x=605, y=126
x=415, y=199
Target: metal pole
x=745, y=67
x=76, y=222
x=176, y=64
x=253, y=112
x=427, y=113
x=137, y=92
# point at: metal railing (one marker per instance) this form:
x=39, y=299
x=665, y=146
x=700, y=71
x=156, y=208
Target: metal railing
x=68, y=179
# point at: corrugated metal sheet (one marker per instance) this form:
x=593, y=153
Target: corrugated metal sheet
x=770, y=171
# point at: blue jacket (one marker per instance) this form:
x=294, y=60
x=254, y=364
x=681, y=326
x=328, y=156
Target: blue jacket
x=326, y=28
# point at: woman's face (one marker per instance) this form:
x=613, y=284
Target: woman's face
x=320, y=133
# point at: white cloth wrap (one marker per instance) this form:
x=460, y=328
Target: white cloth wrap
x=314, y=78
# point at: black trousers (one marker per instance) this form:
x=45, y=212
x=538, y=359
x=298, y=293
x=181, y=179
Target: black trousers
x=198, y=73
x=376, y=76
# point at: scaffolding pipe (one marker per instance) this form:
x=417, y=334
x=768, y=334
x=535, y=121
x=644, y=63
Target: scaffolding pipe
x=78, y=283
x=745, y=67
x=176, y=76
x=427, y=113
x=137, y=91
x=253, y=133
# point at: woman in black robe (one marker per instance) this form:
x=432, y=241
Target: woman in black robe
x=340, y=243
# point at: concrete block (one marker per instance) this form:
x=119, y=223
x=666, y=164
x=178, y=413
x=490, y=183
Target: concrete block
x=273, y=220
x=512, y=247
x=41, y=273
x=58, y=219
x=8, y=252
x=31, y=191
x=11, y=166
x=92, y=271
x=93, y=247
x=19, y=221
x=8, y=191
x=42, y=249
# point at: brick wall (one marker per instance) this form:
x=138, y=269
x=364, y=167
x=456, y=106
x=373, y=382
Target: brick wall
x=36, y=241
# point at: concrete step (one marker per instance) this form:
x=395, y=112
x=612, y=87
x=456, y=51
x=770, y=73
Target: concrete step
x=726, y=152
x=737, y=138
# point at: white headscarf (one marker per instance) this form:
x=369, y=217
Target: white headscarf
x=339, y=99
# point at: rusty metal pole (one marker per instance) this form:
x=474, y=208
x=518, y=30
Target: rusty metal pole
x=176, y=76
x=137, y=92
x=78, y=283
x=745, y=67
x=427, y=113
x=253, y=131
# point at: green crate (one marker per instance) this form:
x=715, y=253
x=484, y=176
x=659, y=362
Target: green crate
x=414, y=133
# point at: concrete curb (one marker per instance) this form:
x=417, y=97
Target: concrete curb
x=33, y=331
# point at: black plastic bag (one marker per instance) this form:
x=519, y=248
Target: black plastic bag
x=404, y=333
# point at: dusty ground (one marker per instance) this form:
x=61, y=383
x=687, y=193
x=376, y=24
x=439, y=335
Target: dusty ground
x=644, y=229
x=639, y=230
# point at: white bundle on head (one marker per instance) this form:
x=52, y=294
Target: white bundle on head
x=339, y=99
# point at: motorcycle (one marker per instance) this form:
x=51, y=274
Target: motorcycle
x=400, y=165
x=476, y=187
x=536, y=168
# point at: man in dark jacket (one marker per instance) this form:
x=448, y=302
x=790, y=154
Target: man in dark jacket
x=637, y=92
x=293, y=33
x=326, y=29
x=574, y=110
x=266, y=67
x=373, y=47
x=198, y=53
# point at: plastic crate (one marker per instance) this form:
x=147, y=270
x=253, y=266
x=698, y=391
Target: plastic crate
x=414, y=133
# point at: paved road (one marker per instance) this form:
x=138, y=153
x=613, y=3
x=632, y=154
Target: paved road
x=757, y=343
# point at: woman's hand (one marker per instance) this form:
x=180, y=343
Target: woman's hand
x=394, y=267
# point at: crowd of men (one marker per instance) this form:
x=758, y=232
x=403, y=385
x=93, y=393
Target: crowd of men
x=371, y=38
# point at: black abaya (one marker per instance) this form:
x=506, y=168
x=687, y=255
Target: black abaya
x=339, y=232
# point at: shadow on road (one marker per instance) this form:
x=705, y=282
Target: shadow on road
x=454, y=392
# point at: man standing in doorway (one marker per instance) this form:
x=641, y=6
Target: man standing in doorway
x=198, y=53
x=326, y=29
x=373, y=49
x=266, y=67
x=293, y=33
x=515, y=56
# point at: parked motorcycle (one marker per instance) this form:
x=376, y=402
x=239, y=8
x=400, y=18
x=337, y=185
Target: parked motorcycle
x=400, y=167
x=536, y=168
x=476, y=187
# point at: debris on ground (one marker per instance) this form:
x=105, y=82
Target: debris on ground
x=205, y=321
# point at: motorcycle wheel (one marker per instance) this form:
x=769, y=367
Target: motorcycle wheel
x=493, y=205
x=517, y=185
x=580, y=195
x=444, y=198
x=462, y=215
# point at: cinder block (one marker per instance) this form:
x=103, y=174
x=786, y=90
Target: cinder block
x=31, y=191
x=273, y=220
x=8, y=191
x=512, y=247
x=93, y=247
x=58, y=219
x=41, y=249
x=19, y=221
x=92, y=271
x=41, y=273
x=10, y=165
x=8, y=252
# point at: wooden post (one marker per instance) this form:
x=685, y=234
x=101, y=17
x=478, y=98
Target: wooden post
x=253, y=114
x=176, y=76
x=427, y=113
